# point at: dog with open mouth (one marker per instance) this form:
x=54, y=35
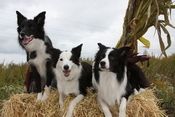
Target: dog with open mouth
x=41, y=55
x=73, y=77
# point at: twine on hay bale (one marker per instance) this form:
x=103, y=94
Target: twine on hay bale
x=144, y=104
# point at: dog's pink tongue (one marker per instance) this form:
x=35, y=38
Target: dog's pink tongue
x=26, y=40
x=66, y=73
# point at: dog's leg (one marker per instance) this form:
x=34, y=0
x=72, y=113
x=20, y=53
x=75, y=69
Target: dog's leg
x=37, y=80
x=46, y=93
x=104, y=107
x=122, y=107
x=61, y=99
x=141, y=90
x=136, y=92
x=39, y=96
x=49, y=77
x=94, y=83
x=27, y=81
x=72, y=105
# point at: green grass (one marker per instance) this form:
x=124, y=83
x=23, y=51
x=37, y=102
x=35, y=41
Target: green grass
x=161, y=73
x=11, y=79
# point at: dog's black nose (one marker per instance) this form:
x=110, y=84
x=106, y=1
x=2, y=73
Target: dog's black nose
x=22, y=34
x=66, y=67
x=102, y=63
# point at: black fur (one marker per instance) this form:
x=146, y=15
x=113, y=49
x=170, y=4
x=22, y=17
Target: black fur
x=86, y=78
x=76, y=54
x=118, y=60
x=35, y=27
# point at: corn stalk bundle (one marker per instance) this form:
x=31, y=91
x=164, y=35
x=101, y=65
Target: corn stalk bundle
x=140, y=16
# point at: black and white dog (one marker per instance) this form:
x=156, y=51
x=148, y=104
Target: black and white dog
x=115, y=79
x=73, y=77
x=42, y=57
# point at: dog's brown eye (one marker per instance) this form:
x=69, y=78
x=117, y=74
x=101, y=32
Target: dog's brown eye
x=61, y=59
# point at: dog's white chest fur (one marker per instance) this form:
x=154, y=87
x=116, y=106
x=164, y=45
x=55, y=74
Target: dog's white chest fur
x=71, y=87
x=41, y=58
x=66, y=86
x=109, y=89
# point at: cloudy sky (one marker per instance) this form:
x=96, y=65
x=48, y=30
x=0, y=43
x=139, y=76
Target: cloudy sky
x=70, y=23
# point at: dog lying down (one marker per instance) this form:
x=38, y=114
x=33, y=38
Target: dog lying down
x=115, y=79
x=73, y=77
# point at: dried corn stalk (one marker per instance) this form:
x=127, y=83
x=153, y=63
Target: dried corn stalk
x=140, y=16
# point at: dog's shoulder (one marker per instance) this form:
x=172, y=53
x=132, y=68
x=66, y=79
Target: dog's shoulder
x=85, y=79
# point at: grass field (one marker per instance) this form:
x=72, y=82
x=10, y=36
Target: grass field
x=161, y=73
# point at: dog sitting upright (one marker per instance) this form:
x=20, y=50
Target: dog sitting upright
x=115, y=79
x=73, y=77
x=42, y=57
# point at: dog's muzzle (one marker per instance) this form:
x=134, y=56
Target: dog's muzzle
x=66, y=70
x=26, y=39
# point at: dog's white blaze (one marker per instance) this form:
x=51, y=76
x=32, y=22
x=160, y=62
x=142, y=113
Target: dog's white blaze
x=106, y=59
x=75, y=70
x=66, y=59
x=41, y=58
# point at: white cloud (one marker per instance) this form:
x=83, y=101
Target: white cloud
x=68, y=23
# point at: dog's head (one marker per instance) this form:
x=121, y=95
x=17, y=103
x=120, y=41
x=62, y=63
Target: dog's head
x=30, y=30
x=69, y=62
x=111, y=59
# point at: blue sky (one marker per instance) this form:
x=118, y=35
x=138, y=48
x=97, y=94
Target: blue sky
x=69, y=23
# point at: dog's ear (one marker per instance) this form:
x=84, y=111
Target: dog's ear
x=77, y=50
x=124, y=51
x=20, y=18
x=40, y=18
x=101, y=46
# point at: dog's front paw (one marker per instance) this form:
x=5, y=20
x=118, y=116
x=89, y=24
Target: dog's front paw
x=46, y=93
x=61, y=103
x=68, y=114
x=39, y=97
x=44, y=97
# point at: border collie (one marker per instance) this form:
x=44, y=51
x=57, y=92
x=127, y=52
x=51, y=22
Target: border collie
x=42, y=57
x=115, y=79
x=73, y=77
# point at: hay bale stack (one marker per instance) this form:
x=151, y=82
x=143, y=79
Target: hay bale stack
x=144, y=104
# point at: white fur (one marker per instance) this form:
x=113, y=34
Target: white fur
x=122, y=107
x=75, y=70
x=104, y=107
x=39, y=96
x=40, y=61
x=46, y=93
x=106, y=59
x=68, y=85
x=136, y=92
x=72, y=105
x=110, y=90
x=141, y=90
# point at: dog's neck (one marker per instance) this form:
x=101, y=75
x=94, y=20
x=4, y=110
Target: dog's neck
x=37, y=45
